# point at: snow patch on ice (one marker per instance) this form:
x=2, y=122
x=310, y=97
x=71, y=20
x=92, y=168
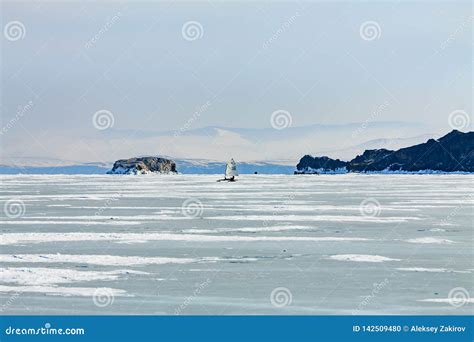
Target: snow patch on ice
x=49, y=276
x=247, y=229
x=105, y=260
x=361, y=258
x=78, y=223
x=447, y=300
x=423, y=269
x=21, y=238
x=430, y=240
x=63, y=291
x=328, y=218
x=111, y=260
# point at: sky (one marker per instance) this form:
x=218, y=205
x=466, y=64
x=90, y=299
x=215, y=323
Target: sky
x=74, y=72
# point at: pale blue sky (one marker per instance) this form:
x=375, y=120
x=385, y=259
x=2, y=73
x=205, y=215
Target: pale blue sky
x=253, y=58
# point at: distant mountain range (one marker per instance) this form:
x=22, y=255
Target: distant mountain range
x=206, y=150
x=267, y=144
x=183, y=166
x=453, y=152
x=215, y=143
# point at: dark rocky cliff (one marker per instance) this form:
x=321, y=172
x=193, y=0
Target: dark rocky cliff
x=452, y=153
x=309, y=164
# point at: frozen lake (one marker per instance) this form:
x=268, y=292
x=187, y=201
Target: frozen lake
x=267, y=244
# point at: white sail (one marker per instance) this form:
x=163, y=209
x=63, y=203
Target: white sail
x=231, y=169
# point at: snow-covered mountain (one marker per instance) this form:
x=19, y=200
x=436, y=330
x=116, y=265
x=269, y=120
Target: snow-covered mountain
x=264, y=144
x=205, y=150
x=212, y=143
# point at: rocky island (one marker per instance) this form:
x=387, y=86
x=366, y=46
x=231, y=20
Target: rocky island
x=143, y=165
x=453, y=152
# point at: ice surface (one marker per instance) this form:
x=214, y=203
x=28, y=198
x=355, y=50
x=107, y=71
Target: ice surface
x=330, y=240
